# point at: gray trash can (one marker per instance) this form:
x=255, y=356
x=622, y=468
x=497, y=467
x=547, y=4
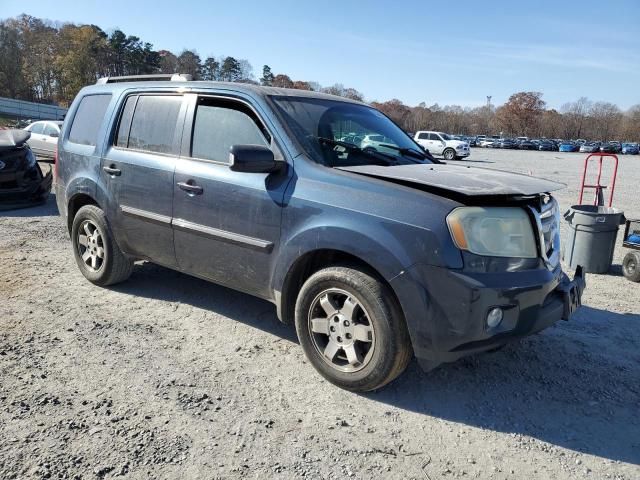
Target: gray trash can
x=592, y=237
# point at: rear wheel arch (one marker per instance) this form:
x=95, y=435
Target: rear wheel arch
x=76, y=202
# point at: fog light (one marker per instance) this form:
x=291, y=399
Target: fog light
x=494, y=317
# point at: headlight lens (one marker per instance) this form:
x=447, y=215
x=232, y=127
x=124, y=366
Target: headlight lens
x=31, y=159
x=493, y=231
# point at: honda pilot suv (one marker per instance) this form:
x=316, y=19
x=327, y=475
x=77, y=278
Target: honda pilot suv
x=376, y=255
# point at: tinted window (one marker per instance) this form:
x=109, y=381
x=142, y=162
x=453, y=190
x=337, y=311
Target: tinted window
x=433, y=136
x=154, y=123
x=88, y=119
x=423, y=136
x=124, y=125
x=219, y=126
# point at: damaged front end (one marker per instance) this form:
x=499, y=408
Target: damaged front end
x=22, y=181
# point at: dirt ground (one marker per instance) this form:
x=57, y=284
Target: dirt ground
x=168, y=376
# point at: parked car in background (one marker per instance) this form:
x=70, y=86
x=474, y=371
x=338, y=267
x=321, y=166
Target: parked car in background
x=581, y=141
x=22, y=181
x=507, y=143
x=521, y=139
x=378, y=143
x=630, y=148
x=527, y=145
x=567, y=146
x=470, y=140
x=590, y=147
x=44, y=137
x=439, y=143
x=480, y=139
x=375, y=258
x=547, y=146
x=611, y=147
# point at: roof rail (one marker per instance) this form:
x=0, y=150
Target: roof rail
x=173, y=77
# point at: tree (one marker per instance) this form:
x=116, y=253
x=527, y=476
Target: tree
x=211, y=69
x=267, y=76
x=606, y=119
x=301, y=85
x=189, y=63
x=353, y=94
x=521, y=114
x=574, y=115
x=282, y=81
x=230, y=70
x=168, y=62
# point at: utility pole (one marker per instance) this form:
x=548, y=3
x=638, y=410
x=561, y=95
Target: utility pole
x=489, y=100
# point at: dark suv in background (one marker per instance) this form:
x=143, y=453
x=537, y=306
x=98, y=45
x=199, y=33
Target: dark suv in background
x=375, y=254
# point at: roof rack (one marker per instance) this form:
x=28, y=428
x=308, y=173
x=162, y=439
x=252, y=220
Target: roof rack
x=173, y=77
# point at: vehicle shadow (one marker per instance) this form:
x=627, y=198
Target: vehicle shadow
x=570, y=386
x=153, y=281
x=47, y=208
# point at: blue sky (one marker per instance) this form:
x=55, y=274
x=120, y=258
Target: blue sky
x=436, y=52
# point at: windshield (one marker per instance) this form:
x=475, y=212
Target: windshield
x=337, y=133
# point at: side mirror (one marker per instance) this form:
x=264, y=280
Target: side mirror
x=54, y=134
x=252, y=159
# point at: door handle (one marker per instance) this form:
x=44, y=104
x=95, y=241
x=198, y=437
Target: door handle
x=193, y=189
x=112, y=170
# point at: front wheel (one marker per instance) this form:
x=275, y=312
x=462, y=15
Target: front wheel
x=449, y=154
x=351, y=328
x=631, y=266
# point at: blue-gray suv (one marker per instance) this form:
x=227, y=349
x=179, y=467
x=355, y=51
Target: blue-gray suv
x=375, y=254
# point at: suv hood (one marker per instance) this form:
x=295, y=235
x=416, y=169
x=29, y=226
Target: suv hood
x=458, y=180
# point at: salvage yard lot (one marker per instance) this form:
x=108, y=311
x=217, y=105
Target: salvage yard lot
x=168, y=376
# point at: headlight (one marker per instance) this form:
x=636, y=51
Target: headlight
x=493, y=231
x=31, y=159
x=461, y=147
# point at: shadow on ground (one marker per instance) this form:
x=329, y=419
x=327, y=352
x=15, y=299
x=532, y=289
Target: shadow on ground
x=44, y=209
x=559, y=387
x=152, y=281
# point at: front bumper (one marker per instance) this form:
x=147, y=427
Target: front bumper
x=446, y=309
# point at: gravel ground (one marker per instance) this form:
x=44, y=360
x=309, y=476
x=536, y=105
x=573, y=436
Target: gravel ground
x=168, y=376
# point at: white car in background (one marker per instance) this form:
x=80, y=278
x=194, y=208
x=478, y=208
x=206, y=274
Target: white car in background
x=44, y=137
x=377, y=143
x=439, y=143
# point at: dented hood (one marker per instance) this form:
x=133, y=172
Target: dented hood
x=459, y=180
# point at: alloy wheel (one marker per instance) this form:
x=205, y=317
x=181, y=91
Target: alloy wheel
x=341, y=330
x=90, y=246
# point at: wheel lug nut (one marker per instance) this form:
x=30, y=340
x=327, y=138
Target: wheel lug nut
x=346, y=323
x=332, y=328
x=348, y=335
x=339, y=339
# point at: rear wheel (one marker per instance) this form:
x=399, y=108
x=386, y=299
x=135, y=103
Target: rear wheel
x=449, y=154
x=351, y=328
x=98, y=256
x=631, y=266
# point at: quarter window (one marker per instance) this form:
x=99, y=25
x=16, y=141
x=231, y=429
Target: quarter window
x=423, y=136
x=88, y=119
x=124, y=125
x=49, y=129
x=218, y=125
x=154, y=123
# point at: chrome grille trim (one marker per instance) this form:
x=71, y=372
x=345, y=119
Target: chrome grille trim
x=547, y=219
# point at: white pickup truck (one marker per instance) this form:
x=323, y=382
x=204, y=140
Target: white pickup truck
x=439, y=143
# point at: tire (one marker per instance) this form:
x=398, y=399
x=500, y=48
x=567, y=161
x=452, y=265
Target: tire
x=362, y=313
x=449, y=154
x=110, y=266
x=631, y=266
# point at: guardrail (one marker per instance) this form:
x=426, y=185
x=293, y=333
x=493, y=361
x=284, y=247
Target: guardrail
x=10, y=107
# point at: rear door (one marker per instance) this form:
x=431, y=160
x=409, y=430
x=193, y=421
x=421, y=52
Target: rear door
x=35, y=141
x=50, y=136
x=226, y=224
x=138, y=168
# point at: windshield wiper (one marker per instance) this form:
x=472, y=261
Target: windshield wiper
x=409, y=152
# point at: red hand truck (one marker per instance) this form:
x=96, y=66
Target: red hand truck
x=598, y=199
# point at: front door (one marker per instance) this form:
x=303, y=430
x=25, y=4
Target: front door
x=138, y=169
x=226, y=224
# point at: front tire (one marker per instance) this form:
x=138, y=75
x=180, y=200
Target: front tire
x=449, y=154
x=631, y=266
x=98, y=256
x=351, y=328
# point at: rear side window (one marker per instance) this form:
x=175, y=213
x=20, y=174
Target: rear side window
x=37, y=127
x=423, y=136
x=88, y=119
x=219, y=125
x=50, y=128
x=154, y=123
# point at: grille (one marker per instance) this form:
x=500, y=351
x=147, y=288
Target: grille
x=548, y=224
